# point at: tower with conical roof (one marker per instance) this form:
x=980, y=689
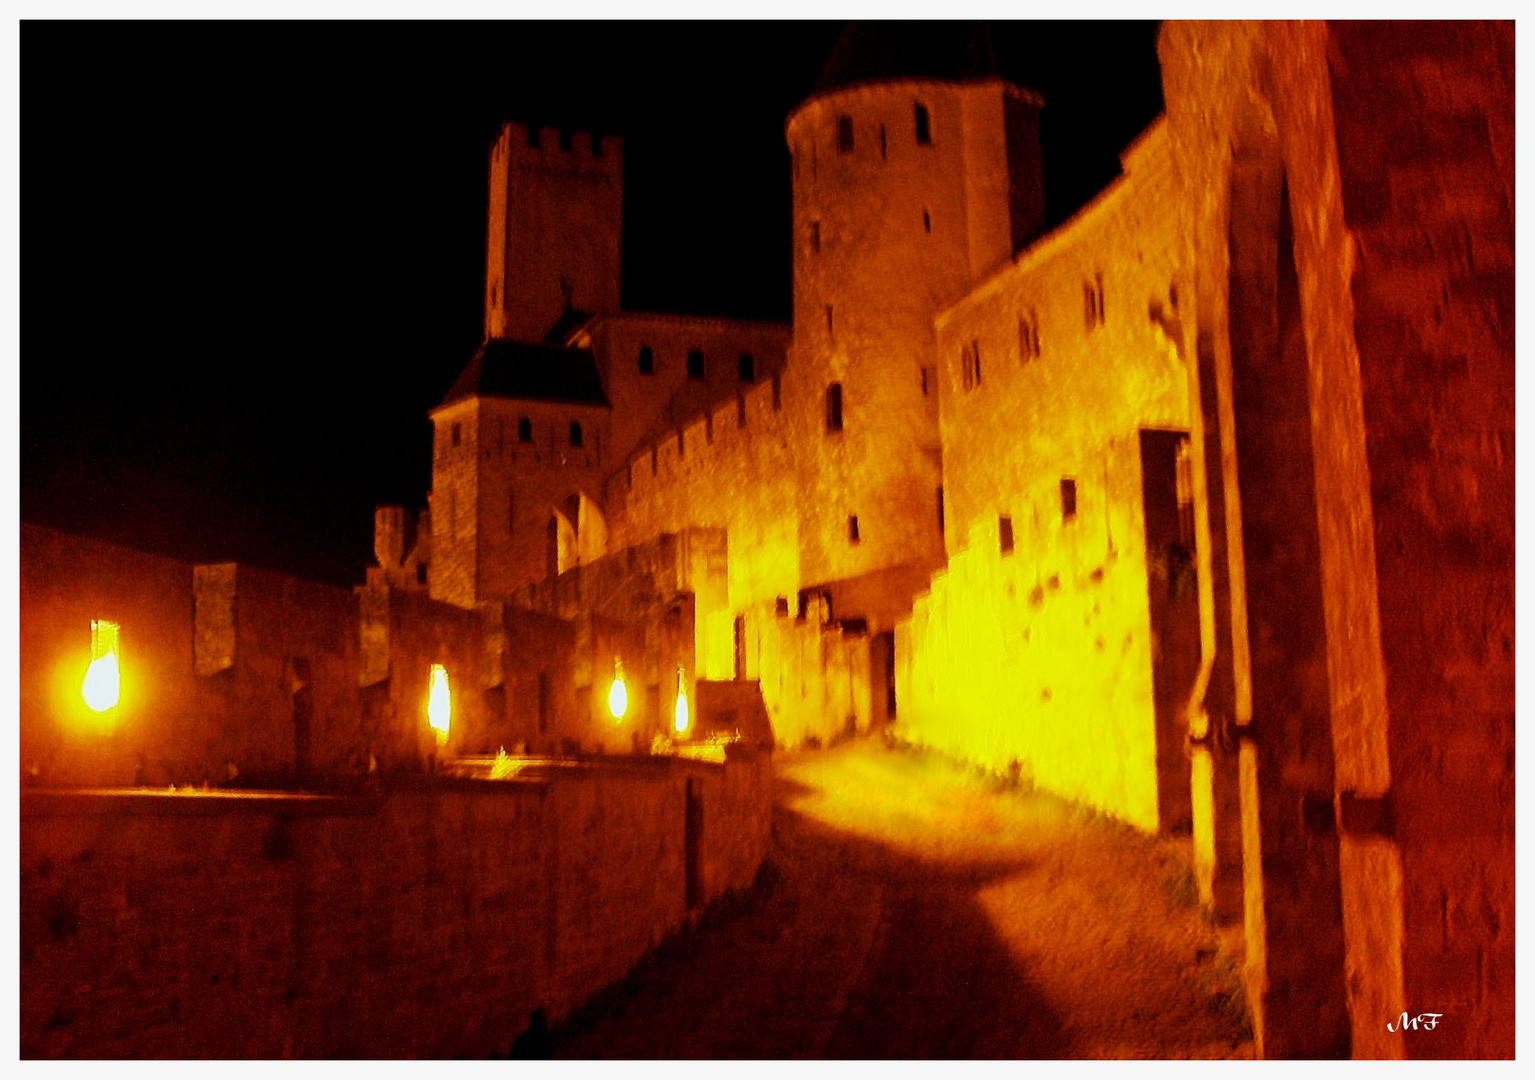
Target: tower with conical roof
x=916, y=173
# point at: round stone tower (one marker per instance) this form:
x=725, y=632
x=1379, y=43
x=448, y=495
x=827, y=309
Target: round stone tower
x=916, y=174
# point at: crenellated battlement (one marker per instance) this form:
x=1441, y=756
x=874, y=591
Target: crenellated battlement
x=532, y=145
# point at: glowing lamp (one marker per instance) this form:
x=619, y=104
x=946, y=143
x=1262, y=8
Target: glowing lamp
x=102, y=684
x=439, y=705
x=681, y=713
x=618, y=694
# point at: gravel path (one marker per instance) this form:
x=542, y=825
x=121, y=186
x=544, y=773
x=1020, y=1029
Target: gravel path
x=914, y=910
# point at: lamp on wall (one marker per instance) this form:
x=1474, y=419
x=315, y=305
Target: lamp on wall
x=102, y=685
x=439, y=703
x=618, y=694
x=681, y=712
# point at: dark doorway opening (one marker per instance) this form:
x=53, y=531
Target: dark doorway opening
x=693, y=845
x=1172, y=587
x=543, y=703
x=740, y=647
x=881, y=679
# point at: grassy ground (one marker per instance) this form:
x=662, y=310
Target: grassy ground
x=914, y=909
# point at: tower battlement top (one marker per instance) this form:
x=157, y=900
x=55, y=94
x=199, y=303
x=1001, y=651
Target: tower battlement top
x=556, y=144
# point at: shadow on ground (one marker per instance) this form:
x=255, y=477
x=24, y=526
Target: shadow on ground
x=845, y=949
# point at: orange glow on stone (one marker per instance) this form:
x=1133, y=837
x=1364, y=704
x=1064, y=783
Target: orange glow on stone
x=102, y=683
x=681, y=718
x=618, y=694
x=103, y=679
x=439, y=705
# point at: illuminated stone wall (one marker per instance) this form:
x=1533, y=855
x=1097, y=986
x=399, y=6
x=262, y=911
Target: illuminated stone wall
x=1424, y=120
x=1371, y=166
x=229, y=664
x=1042, y=655
x=426, y=922
x=887, y=230
x=648, y=404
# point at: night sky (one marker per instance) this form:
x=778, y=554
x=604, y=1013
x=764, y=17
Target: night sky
x=252, y=254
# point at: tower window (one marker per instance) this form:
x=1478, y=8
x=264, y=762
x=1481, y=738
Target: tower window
x=815, y=238
x=970, y=366
x=927, y=220
x=940, y=511
x=575, y=433
x=1092, y=301
x=829, y=331
x=696, y=364
x=525, y=430
x=852, y=528
x=746, y=368
x=456, y=434
x=1068, y=499
x=1028, y=336
x=834, y=407
x=924, y=126
x=647, y=360
x=1005, y=534
x=844, y=134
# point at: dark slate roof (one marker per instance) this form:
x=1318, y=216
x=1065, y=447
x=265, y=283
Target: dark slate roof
x=514, y=369
x=871, y=51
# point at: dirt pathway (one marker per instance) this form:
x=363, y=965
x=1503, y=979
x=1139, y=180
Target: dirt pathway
x=913, y=910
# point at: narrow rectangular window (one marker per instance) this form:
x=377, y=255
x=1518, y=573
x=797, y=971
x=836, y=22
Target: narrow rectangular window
x=815, y=238
x=927, y=221
x=1028, y=336
x=940, y=511
x=1068, y=499
x=647, y=360
x=829, y=332
x=924, y=126
x=852, y=528
x=1005, y=534
x=844, y=134
x=834, y=407
x=524, y=430
x=696, y=364
x=1092, y=301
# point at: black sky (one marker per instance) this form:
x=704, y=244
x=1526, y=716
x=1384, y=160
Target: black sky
x=252, y=254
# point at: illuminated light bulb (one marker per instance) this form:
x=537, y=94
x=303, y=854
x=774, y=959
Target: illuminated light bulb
x=102, y=683
x=681, y=721
x=439, y=706
x=618, y=694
